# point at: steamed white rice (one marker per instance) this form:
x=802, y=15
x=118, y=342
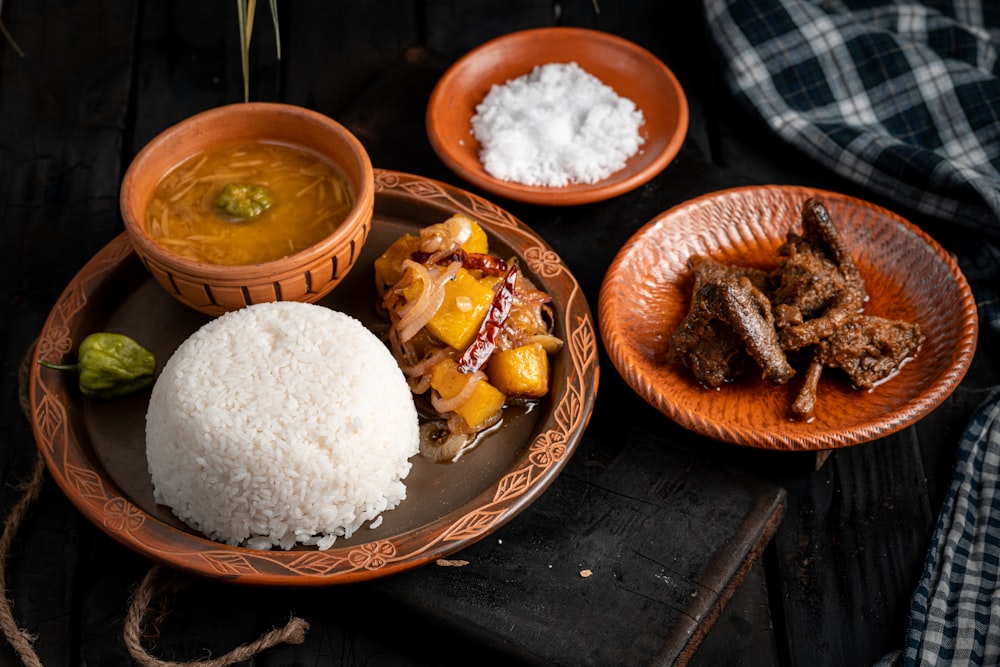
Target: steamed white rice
x=279, y=424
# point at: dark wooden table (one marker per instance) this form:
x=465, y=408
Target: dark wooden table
x=701, y=553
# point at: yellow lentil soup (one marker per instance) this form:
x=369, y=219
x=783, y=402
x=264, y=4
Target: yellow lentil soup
x=248, y=203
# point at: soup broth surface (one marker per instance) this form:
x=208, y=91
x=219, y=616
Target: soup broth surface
x=310, y=198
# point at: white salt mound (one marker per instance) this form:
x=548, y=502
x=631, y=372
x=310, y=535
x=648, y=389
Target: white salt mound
x=555, y=126
x=279, y=424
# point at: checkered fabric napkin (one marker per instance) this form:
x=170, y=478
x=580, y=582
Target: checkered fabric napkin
x=955, y=611
x=900, y=97
x=903, y=98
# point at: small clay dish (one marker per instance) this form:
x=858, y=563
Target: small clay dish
x=632, y=71
x=647, y=290
x=306, y=275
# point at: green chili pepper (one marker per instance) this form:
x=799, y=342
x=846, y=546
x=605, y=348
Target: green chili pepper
x=110, y=366
x=244, y=201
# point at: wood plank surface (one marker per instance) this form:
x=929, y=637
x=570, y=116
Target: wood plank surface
x=100, y=78
x=63, y=109
x=461, y=600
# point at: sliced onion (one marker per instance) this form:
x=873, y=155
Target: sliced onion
x=404, y=353
x=443, y=405
x=460, y=228
x=394, y=344
x=419, y=385
x=425, y=365
x=414, y=318
x=435, y=238
x=438, y=443
x=551, y=344
x=414, y=272
x=414, y=315
x=446, y=236
x=457, y=425
x=447, y=275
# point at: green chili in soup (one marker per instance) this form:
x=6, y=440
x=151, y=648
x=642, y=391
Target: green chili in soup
x=248, y=203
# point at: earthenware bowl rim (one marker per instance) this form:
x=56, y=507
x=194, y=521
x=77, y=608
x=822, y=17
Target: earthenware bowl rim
x=612, y=186
x=235, y=274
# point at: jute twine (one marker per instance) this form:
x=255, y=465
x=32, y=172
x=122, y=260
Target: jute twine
x=294, y=632
x=148, y=595
x=21, y=640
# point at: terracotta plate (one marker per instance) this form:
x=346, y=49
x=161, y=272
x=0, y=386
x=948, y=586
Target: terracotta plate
x=629, y=69
x=647, y=291
x=96, y=451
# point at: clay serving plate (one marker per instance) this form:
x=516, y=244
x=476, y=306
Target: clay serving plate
x=96, y=451
x=647, y=289
x=630, y=70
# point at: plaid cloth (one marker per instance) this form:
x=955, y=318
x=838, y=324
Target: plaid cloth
x=955, y=610
x=903, y=98
x=900, y=97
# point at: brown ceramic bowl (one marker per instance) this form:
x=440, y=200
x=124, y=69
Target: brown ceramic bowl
x=632, y=71
x=307, y=275
x=647, y=292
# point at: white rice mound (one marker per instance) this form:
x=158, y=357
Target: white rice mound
x=278, y=424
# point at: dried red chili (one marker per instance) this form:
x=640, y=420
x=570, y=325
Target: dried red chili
x=470, y=260
x=480, y=349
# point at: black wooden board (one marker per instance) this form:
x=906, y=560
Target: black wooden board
x=100, y=78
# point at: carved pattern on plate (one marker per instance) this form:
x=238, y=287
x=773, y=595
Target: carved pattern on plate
x=230, y=563
x=122, y=516
x=315, y=563
x=50, y=421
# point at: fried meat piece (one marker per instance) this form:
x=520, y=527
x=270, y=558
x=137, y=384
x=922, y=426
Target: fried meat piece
x=748, y=312
x=869, y=349
x=717, y=358
x=805, y=401
x=707, y=270
x=810, y=308
x=806, y=282
x=729, y=320
x=817, y=286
